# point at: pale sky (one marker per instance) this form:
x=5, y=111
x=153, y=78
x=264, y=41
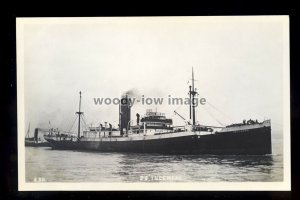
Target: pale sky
x=238, y=65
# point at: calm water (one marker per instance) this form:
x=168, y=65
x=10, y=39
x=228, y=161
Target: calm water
x=45, y=164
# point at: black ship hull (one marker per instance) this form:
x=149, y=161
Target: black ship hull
x=39, y=144
x=255, y=141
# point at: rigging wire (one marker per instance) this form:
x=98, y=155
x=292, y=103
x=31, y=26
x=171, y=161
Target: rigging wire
x=218, y=110
x=72, y=124
x=208, y=111
x=69, y=123
x=213, y=117
x=214, y=107
x=84, y=122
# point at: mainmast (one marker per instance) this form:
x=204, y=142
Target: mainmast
x=79, y=114
x=192, y=94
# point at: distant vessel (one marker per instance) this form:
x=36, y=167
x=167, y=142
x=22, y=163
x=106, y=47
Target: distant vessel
x=35, y=141
x=154, y=133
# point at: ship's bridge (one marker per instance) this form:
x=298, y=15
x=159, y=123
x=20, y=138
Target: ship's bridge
x=156, y=118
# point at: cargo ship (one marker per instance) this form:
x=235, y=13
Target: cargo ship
x=155, y=133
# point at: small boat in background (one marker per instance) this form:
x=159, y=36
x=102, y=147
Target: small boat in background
x=35, y=141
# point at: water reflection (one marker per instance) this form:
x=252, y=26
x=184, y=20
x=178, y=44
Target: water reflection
x=243, y=160
x=75, y=166
x=199, y=168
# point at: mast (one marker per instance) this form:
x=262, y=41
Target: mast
x=190, y=93
x=27, y=134
x=79, y=113
x=120, y=118
x=193, y=93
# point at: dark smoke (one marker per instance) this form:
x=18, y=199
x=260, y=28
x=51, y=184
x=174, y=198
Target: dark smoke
x=132, y=93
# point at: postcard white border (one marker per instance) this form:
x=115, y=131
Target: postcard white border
x=99, y=186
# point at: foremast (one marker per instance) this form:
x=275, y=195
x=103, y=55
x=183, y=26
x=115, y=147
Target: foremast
x=79, y=113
